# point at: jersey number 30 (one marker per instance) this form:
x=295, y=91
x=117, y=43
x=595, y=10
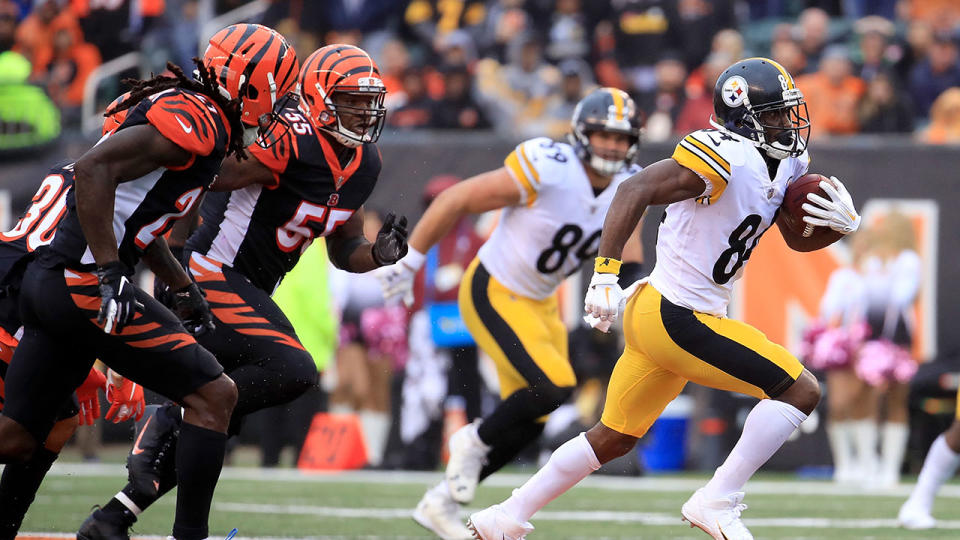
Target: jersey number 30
x=552, y=258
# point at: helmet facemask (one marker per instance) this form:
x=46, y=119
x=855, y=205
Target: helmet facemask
x=335, y=118
x=790, y=140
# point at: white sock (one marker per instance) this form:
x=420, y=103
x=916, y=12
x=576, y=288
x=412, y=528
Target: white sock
x=568, y=465
x=865, y=440
x=841, y=446
x=376, y=429
x=938, y=467
x=892, y=447
x=767, y=427
x=441, y=489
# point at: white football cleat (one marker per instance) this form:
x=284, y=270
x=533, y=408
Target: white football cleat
x=494, y=524
x=468, y=455
x=720, y=518
x=914, y=517
x=440, y=514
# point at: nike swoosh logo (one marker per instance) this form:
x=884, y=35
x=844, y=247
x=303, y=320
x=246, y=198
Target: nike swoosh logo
x=186, y=129
x=136, y=445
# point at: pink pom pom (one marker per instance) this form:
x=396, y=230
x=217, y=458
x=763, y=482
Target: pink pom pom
x=385, y=331
x=880, y=361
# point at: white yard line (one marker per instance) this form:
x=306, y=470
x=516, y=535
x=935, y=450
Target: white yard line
x=616, y=483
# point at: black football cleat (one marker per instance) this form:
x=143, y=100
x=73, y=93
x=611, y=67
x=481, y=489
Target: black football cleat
x=151, y=462
x=102, y=526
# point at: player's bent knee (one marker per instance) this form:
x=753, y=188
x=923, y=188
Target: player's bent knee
x=549, y=397
x=16, y=443
x=210, y=405
x=609, y=444
x=804, y=393
x=60, y=434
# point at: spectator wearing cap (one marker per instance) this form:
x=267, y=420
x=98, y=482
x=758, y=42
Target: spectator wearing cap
x=884, y=108
x=833, y=94
x=934, y=74
x=457, y=108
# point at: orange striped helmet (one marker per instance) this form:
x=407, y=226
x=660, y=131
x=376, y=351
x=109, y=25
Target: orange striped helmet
x=253, y=63
x=343, y=94
x=114, y=119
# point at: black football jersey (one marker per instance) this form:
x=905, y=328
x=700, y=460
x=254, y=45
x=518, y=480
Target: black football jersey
x=147, y=207
x=34, y=229
x=261, y=231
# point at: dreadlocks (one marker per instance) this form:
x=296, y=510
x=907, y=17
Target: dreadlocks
x=139, y=89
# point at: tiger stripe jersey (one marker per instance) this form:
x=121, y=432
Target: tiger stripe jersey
x=146, y=207
x=702, y=153
x=556, y=227
x=704, y=242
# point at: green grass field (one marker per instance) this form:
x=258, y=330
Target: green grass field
x=374, y=505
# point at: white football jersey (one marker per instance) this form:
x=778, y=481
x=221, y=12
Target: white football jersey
x=537, y=244
x=704, y=242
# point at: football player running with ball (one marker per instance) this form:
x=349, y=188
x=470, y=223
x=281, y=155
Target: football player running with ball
x=554, y=197
x=724, y=187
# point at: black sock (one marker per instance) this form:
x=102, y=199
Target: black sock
x=18, y=487
x=116, y=512
x=199, y=460
x=508, y=445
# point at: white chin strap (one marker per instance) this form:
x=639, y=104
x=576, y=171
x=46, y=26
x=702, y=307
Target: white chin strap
x=605, y=167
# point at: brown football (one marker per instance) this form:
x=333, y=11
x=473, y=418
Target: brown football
x=796, y=196
x=799, y=235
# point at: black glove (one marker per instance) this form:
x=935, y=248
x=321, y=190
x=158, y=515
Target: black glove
x=118, y=302
x=191, y=307
x=391, y=244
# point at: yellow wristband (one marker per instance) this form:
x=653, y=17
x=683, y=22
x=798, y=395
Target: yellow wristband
x=606, y=265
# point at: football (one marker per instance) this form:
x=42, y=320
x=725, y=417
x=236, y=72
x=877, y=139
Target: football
x=795, y=197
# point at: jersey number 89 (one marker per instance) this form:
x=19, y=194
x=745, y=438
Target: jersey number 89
x=552, y=258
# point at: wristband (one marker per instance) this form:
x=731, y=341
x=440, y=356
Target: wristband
x=606, y=265
x=413, y=259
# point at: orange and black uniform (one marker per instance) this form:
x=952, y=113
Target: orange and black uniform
x=59, y=295
x=251, y=237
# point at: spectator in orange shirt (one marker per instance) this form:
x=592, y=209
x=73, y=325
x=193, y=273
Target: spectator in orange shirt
x=64, y=68
x=944, y=125
x=35, y=34
x=833, y=94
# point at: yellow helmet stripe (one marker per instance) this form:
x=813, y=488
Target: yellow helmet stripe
x=617, y=102
x=786, y=76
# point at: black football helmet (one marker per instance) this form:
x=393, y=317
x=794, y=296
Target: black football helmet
x=754, y=86
x=605, y=109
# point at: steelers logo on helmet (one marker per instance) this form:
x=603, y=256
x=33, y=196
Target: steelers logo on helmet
x=609, y=110
x=735, y=90
x=757, y=99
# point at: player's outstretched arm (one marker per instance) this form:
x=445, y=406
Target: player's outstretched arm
x=126, y=155
x=349, y=250
x=487, y=191
x=664, y=182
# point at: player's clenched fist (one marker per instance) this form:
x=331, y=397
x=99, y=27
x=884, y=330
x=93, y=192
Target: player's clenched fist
x=604, y=297
x=391, y=243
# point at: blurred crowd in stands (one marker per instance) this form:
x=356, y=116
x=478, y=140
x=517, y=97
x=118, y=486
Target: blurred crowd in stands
x=519, y=66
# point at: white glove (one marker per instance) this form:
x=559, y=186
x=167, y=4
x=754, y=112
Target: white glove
x=397, y=279
x=838, y=213
x=604, y=297
x=604, y=326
